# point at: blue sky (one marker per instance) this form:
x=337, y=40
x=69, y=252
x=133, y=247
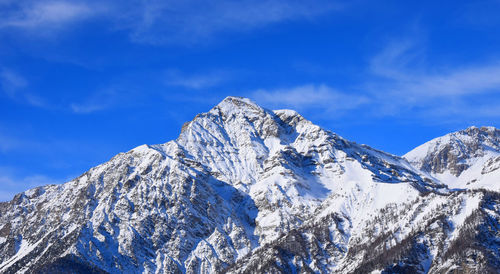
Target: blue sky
x=81, y=81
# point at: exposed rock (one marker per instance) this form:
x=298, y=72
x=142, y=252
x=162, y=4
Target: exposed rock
x=244, y=189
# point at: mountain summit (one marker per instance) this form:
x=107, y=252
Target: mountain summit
x=468, y=158
x=244, y=189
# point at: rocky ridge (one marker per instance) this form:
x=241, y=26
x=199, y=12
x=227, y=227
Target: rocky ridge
x=245, y=189
x=464, y=159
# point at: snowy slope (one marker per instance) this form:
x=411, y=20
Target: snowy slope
x=431, y=234
x=238, y=180
x=467, y=159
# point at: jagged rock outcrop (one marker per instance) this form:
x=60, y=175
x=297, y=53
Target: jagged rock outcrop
x=245, y=189
x=464, y=159
x=453, y=151
x=431, y=234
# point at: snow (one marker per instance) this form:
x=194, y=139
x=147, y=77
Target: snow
x=24, y=249
x=466, y=208
x=475, y=147
x=473, y=177
x=241, y=176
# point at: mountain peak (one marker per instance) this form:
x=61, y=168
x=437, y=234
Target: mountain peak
x=475, y=131
x=236, y=99
x=455, y=152
x=239, y=180
x=234, y=104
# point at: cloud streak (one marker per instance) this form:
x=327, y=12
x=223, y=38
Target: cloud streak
x=104, y=99
x=310, y=96
x=437, y=92
x=44, y=17
x=11, y=82
x=197, y=81
x=142, y=87
x=166, y=22
x=398, y=85
x=15, y=87
x=395, y=63
x=160, y=22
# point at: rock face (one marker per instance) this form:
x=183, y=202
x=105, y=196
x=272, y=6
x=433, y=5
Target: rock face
x=244, y=189
x=468, y=158
x=457, y=233
x=454, y=151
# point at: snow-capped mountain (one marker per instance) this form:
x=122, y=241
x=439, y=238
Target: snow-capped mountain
x=245, y=189
x=465, y=159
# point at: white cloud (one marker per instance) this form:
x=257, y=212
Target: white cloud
x=195, y=21
x=43, y=17
x=199, y=81
x=400, y=85
x=394, y=58
x=399, y=63
x=436, y=92
x=310, y=96
x=15, y=86
x=160, y=22
x=122, y=92
x=84, y=108
x=457, y=82
x=11, y=82
x=130, y=90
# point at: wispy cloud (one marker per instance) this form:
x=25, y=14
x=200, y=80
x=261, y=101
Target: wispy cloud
x=42, y=17
x=133, y=89
x=397, y=63
x=408, y=84
x=400, y=85
x=14, y=85
x=11, y=82
x=196, y=81
x=87, y=107
x=103, y=99
x=160, y=22
x=310, y=96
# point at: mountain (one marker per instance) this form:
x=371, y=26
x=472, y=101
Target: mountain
x=244, y=189
x=466, y=159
